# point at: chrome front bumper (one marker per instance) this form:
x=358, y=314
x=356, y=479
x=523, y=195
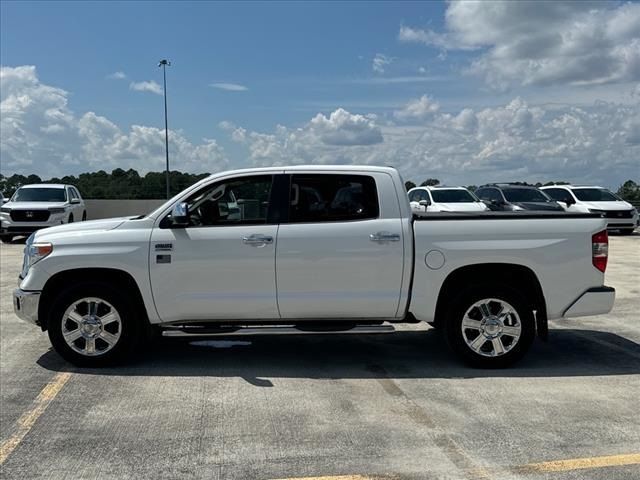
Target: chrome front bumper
x=25, y=305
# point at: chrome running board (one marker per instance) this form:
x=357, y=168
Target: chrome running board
x=271, y=330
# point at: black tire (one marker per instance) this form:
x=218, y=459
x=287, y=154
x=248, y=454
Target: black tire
x=6, y=238
x=84, y=216
x=514, y=351
x=627, y=231
x=130, y=328
x=70, y=219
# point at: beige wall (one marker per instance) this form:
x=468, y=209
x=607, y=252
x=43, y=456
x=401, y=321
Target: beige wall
x=97, y=209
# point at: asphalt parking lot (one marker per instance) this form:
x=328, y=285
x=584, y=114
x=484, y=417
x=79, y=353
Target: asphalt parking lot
x=334, y=407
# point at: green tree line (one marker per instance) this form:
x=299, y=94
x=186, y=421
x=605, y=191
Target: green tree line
x=117, y=184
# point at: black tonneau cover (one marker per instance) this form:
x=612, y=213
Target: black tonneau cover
x=522, y=215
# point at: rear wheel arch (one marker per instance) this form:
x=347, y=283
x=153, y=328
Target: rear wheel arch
x=118, y=279
x=518, y=277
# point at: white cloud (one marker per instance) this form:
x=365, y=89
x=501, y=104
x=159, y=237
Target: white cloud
x=418, y=109
x=230, y=87
x=40, y=134
x=344, y=128
x=596, y=144
x=117, y=76
x=566, y=42
x=380, y=61
x=146, y=86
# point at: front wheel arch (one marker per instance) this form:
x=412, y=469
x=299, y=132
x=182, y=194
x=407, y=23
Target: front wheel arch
x=62, y=280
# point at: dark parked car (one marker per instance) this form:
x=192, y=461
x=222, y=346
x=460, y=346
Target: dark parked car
x=512, y=197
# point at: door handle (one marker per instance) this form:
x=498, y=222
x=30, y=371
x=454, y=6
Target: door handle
x=257, y=240
x=384, y=237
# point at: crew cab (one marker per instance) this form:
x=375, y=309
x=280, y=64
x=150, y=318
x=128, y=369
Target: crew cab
x=310, y=249
x=37, y=206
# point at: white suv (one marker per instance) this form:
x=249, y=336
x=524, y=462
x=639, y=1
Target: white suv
x=37, y=206
x=444, y=199
x=620, y=215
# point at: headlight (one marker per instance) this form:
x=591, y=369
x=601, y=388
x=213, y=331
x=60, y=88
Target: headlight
x=634, y=211
x=5, y=210
x=33, y=253
x=57, y=210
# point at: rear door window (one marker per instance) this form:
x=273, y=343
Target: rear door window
x=332, y=198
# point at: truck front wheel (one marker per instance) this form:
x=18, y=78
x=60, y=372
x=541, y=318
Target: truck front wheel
x=93, y=325
x=490, y=327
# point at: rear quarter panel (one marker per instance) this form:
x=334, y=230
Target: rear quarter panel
x=558, y=251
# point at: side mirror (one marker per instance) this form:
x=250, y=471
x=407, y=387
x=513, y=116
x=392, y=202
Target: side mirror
x=74, y=201
x=570, y=201
x=424, y=203
x=180, y=214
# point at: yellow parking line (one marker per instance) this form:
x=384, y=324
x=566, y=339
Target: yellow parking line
x=580, y=463
x=29, y=418
x=333, y=477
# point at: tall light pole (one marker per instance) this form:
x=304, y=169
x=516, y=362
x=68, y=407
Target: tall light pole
x=164, y=63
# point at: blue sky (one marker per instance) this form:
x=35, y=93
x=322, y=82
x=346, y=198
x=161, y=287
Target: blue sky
x=295, y=59
x=419, y=74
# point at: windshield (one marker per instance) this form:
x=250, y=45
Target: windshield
x=40, y=195
x=516, y=195
x=452, y=196
x=594, y=195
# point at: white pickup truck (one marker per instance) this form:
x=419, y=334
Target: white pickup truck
x=317, y=249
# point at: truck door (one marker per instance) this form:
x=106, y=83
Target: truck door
x=222, y=266
x=341, y=254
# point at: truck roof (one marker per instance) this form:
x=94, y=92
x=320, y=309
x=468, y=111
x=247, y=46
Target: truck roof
x=315, y=168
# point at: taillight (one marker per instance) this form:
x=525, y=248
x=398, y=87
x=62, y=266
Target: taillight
x=600, y=250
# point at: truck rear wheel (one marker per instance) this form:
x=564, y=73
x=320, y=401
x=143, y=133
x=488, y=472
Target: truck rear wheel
x=94, y=325
x=490, y=327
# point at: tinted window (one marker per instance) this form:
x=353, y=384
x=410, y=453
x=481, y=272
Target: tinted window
x=75, y=192
x=332, y=198
x=559, y=194
x=240, y=201
x=524, y=195
x=451, y=196
x=40, y=195
x=489, y=194
x=72, y=193
x=594, y=195
x=419, y=195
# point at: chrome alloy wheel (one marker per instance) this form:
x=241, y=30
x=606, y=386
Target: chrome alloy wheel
x=491, y=327
x=91, y=326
